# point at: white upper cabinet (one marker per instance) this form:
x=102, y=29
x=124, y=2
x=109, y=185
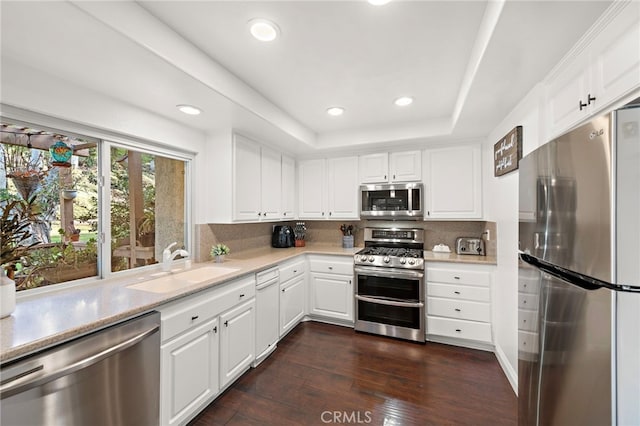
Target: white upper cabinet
x=386, y=167
x=328, y=189
x=343, y=187
x=288, y=187
x=607, y=68
x=453, y=183
x=257, y=181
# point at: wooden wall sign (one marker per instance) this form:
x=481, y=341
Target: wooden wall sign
x=508, y=152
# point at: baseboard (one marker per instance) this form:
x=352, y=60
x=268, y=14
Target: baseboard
x=471, y=344
x=507, y=368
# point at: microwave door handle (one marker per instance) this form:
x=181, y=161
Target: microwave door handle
x=389, y=302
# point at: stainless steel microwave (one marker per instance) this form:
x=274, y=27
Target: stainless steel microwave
x=391, y=201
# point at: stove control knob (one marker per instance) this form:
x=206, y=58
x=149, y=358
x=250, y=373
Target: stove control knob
x=403, y=260
x=371, y=259
x=386, y=259
x=412, y=262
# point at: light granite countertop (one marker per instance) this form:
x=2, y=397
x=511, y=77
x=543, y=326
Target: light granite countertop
x=44, y=319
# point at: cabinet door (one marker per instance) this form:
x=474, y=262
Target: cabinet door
x=246, y=179
x=565, y=92
x=616, y=57
x=291, y=304
x=189, y=372
x=374, y=168
x=343, y=188
x=454, y=184
x=331, y=296
x=288, y=187
x=237, y=341
x=405, y=166
x=267, y=318
x=271, y=185
x=311, y=184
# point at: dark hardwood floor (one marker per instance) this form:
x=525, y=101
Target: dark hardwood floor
x=322, y=374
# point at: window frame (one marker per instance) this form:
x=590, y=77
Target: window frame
x=105, y=140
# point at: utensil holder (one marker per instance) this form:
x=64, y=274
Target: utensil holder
x=347, y=241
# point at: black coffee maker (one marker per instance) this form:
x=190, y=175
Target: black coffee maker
x=283, y=237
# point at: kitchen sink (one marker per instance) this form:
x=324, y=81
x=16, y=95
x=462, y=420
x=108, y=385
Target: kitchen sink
x=172, y=281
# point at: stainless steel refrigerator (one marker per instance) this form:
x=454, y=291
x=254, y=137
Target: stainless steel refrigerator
x=579, y=276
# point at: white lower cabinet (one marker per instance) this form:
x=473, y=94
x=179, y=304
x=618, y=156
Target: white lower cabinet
x=459, y=303
x=237, y=341
x=267, y=313
x=190, y=372
x=208, y=340
x=331, y=295
x=292, y=294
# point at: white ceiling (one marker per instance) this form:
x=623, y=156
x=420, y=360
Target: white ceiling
x=157, y=54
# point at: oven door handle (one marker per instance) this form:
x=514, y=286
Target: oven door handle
x=390, y=302
x=386, y=273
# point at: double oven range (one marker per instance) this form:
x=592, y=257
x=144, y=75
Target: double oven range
x=390, y=294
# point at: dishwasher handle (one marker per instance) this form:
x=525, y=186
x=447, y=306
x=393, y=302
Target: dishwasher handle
x=7, y=390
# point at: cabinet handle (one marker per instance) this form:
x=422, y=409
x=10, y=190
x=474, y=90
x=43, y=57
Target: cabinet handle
x=259, y=214
x=457, y=278
x=330, y=213
x=524, y=302
x=195, y=317
x=331, y=268
x=242, y=295
x=590, y=99
x=283, y=290
x=215, y=329
x=349, y=281
x=456, y=292
x=295, y=271
x=322, y=213
x=226, y=323
x=394, y=176
x=458, y=330
x=264, y=214
x=581, y=104
x=385, y=177
x=457, y=309
x=284, y=214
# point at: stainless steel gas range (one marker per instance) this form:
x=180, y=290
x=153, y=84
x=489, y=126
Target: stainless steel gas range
x=390, y=295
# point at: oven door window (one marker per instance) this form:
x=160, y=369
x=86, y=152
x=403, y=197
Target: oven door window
x=400, y=289
x=391, y=315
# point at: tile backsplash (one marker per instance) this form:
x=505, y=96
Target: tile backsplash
x=245, y=236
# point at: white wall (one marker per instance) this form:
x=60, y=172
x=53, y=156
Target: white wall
x=501, y=206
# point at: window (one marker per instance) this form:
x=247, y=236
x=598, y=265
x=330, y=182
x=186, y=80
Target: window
x=59, y=225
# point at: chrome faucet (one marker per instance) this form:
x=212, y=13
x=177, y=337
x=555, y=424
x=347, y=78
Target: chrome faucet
x=168, y=256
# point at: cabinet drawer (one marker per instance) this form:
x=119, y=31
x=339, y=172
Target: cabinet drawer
x=179, y=316
x=460, y=309
x=479, y=331
x=290, y=270
x=527, y=320
x=528, y=301
x=527, y=342
x=459, y=292
x=458, y=276
x=332, y=266
x=266, y=275
x=529, y=284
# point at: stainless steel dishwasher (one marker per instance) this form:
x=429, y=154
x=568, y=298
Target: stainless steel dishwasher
x=110, y=377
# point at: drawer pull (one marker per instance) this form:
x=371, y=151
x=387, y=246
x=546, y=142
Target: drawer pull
x=241, y=295
x=215, y=329
x=456, y=292
x=458, y=309
x=458, y=330
x=524, y=302
x=283, y=290
x=457, y=278
x=195, y=317
x=295, y=271
x=226, y=323
x=331, y=268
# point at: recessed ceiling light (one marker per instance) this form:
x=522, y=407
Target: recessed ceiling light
x=378, y=2
x=263, y=29
x=335, y=111
x=189, y=109
x=403, y=101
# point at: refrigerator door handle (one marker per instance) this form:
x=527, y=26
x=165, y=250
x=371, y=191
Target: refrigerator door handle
x=583, y=281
